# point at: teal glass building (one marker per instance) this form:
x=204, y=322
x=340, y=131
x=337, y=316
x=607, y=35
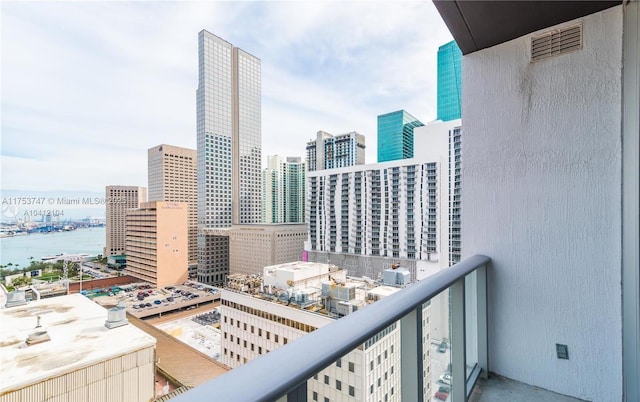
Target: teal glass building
x=395, y=135
x=449, y=82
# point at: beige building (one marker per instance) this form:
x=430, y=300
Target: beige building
x=253, y=247
x=172, y=176
x=73, y=355
x=157, y=242
x=119, y=199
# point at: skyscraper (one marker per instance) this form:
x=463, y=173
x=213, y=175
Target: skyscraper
x=449, y=82
x=172, y=176
x=119, y=199
x=328, y=151
x=229, y=148
x=395, y=135
x=283, y=190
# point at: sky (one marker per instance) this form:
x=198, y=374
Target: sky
x=88, y=87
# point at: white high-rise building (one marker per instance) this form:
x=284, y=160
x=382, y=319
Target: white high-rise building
x=260, y=316
x=228, y=148
x=328, y=151
x=283, y=190
x=364, y=218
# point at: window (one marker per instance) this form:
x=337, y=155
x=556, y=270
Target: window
x=339, y=363
x=315, y=396
x=326, y=379
x=352, y=367
x=315, y=376
x=352, y=391
x=338, y=385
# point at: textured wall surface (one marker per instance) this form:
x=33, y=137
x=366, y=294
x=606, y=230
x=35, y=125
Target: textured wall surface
x=542, y=193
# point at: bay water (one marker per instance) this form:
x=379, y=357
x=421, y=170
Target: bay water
x=18, y=249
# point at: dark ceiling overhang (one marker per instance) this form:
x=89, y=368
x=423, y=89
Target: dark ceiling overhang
x=479, y=24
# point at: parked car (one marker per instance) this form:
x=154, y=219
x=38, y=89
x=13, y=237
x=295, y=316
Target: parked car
x=445, y=378
x=445, y=388
x=443, y=347
x=157, y=302
x=441, y=395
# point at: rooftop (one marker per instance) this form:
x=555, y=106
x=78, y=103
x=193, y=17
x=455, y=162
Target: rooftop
x=78, y=336
x=179, y=361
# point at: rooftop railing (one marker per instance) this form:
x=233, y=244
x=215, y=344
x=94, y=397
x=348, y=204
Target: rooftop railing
x=282, y=374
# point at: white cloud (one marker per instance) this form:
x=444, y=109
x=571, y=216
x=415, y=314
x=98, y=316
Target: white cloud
x=89, y=87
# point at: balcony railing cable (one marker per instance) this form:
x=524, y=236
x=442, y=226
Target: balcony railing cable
x=284, y=372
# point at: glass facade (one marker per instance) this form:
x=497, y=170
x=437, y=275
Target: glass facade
x=283, y=191
x=395, y=135
x=449, y=82
x=228, y=145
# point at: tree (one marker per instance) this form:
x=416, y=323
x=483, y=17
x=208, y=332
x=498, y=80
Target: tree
x=23, y=280
x=73, y=269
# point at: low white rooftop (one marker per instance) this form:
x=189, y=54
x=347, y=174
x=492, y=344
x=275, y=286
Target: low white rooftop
x=383, y=290
x=79, y=339
x=290, y=273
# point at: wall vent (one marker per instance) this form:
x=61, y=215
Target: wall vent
x=556, y=42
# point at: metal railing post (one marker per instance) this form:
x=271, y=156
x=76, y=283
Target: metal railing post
x=483, y=335
x=299, y=394
x=411, y=350
x=458, y=343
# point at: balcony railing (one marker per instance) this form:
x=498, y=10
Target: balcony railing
x=282, y=374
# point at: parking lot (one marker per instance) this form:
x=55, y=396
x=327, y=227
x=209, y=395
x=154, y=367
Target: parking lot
x=143, y=301
x=439, y=366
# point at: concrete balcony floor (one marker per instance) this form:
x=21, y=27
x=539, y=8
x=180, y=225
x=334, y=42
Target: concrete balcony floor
x=498, y=388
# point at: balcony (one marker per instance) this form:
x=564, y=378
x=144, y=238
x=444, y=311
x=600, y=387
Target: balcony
x=467, y=284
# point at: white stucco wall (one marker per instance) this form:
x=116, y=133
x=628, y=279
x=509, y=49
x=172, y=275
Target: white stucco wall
x=541, y=196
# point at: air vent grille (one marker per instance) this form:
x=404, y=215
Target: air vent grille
x=556, y=42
